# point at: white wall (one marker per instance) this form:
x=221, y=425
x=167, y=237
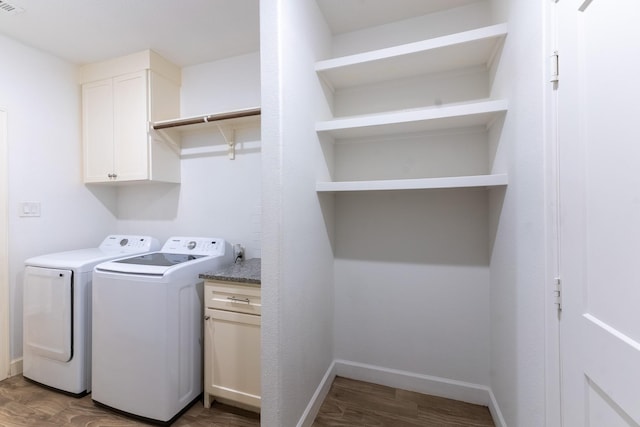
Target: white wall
x=297, y=281
x=518, y=260
x=413, y=29
x=412, y=282
x=217, y=197
x=42, y=97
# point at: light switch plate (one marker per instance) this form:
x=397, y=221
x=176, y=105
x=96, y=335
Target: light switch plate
x=29, y=209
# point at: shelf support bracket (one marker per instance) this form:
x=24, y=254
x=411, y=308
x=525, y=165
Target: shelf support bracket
x=229, y=135
x=166, y=137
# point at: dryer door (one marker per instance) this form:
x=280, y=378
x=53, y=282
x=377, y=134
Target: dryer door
x=48, y=312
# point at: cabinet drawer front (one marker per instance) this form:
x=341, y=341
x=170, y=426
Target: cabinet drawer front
x=239, y=298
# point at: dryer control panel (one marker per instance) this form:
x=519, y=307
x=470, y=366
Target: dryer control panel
x=123, y=243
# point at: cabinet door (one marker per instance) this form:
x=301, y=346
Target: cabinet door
x=97, y=130
x=232, y=357
x=130, y=99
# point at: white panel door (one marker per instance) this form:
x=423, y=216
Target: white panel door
x=599, y=177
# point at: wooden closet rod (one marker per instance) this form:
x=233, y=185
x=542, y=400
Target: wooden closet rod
x=208, y=118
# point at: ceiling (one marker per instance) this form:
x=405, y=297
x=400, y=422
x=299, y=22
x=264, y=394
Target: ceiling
x=350, y=15
x=186, y=32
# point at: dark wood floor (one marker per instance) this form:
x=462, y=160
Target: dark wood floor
x=356, y=403
x=349, y=403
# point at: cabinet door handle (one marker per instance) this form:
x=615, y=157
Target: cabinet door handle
x=207, y=317
x=236, y=299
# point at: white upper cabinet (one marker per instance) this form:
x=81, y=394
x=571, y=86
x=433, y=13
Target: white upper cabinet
x=416, y=112
x=120, y=98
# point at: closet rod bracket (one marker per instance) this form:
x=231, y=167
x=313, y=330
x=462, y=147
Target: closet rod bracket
x=229, y=135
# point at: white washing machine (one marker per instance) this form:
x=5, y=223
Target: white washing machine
x=147, y=328
x=57, y=312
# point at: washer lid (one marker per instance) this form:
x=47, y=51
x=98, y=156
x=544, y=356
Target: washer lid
x=161, y=259
x=152, y=264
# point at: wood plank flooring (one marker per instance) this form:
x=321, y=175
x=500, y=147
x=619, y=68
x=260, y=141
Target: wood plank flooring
x=355, y=403
x=349, y=403
x=25, y=404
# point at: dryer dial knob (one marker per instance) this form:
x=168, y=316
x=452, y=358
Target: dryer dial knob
x=124, y=242
x=192, y=245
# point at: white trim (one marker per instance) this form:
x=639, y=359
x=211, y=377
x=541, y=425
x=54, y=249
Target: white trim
x=16, y=367
x=553, y=417
x=312, y=409
x=498, y=418
x=4, y=252
x=427, y=384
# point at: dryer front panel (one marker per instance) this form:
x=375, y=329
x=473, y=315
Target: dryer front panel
x=48, y=312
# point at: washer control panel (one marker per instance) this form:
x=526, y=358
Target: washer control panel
x=195, y=245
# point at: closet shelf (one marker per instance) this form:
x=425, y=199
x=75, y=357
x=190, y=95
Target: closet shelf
x=455, y=51
x=478, y=181
x=415, y=120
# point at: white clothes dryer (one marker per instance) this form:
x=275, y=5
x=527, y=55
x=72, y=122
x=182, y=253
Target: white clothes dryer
x=57, y=312
x=147, y=328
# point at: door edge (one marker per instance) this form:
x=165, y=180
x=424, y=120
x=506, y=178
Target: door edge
x=5, y=365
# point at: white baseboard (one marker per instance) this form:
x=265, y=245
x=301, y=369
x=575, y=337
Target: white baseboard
x=436, y=386
x=498, y=419
x=15, y=367
x=309, y=414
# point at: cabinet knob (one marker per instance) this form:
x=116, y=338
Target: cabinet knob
x=207, y=317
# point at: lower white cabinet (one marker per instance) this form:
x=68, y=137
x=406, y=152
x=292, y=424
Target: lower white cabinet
x=232, y=344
